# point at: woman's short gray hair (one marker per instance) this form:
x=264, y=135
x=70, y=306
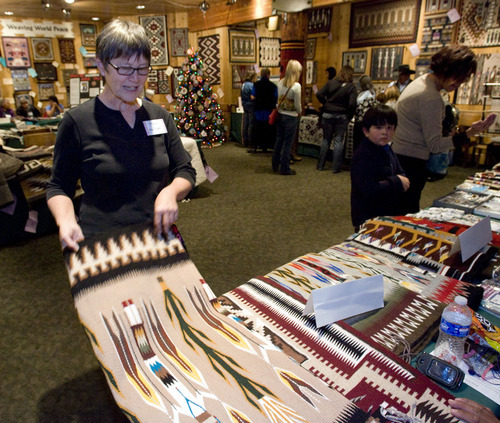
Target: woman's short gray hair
x=121, y=38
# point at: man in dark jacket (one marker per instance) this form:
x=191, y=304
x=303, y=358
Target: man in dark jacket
x=265, y=95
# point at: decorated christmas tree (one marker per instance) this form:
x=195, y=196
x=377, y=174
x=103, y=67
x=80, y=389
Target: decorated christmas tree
x=198, y=114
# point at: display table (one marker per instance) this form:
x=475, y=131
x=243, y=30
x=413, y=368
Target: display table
x=236, y=124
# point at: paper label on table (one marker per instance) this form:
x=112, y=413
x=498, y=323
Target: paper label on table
x=473, y=239
x=337, y=302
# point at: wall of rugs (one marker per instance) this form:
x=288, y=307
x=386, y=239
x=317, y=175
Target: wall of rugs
x=375, y=37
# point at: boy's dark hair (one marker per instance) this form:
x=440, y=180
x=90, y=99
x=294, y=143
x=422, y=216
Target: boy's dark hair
x=380, y=114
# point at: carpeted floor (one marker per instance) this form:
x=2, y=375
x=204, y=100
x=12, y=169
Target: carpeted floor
x=248, y=222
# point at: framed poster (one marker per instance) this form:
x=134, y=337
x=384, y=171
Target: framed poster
x=356, y=59
x=42, y=49
x=241, y=46
x=17, y=52
x=384, y=22
x=45, y=91
x=88, y=33
x=310, y=48
x=46, y=72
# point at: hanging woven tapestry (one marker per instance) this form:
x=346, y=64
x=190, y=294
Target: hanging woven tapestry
x=67, y=50
x=163, y=82
x=438, y=31
x=209, y=50
x=385, y=61
x=384, y=22
x=179, y=41
x=42, y=49
x=319, y=20
x=239, y=73
x=153, y=81
x=66, y=75
x=311, y=71
x=156, y=30
x=20, y=79
x=17, y=54
x=310, y=48
x=241, y=46
x=356, y=59
x=46, y=72
x=479, y=26
x=439, y=6
x=269, y=52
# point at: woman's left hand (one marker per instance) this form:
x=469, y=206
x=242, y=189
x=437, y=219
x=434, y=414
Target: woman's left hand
x=166, y=210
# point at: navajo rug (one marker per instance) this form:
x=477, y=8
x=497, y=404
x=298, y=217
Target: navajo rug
x=210, y=55
x=342, y=357
x=421, y=246
x=156, y=30
x=67, y=50
x=269, y=52
x=169, y=355
x=180, y=41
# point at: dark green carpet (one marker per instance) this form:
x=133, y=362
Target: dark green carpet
x=245, y=224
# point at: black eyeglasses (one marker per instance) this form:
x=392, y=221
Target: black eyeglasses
x=128, y=70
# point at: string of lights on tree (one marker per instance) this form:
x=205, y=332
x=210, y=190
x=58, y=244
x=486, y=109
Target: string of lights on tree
x=197, y=113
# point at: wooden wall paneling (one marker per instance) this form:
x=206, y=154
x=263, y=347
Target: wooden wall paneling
x=221, y=14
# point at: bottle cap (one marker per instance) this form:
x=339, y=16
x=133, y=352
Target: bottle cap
x=461, y=300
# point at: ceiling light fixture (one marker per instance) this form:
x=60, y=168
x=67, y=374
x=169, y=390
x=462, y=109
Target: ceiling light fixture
x=67, y=12
x=45, y=4
x=140, y=6
x=8, y=13
x=204, y=6
x=69, y=1
x=95, y=18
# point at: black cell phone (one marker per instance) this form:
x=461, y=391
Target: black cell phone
x=441, y=371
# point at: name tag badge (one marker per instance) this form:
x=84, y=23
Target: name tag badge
x=155, y=127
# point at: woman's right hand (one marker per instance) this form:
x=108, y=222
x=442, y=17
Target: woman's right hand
x=471, y=412
x=70, y=235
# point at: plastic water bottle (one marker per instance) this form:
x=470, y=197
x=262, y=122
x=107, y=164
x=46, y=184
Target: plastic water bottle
x=453, y=330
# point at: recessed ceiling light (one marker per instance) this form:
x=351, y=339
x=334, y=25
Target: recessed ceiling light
x=9, y=13
x=95, y=18
x=69, y=1
x=140, y=6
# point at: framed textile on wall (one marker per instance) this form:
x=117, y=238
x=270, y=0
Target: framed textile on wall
x=384, y=22
x=67, y=50
x=269, y=52
x=385, y=61
x=438, y=31
x=479, y=26
x=210, y=55
x=241, y=46
x=311, y=72
x=42, y=49
x=17, y=53
x=239, y=73
x=20, y=79
x=66, y=75
x=179, y=41
x=45, y=91
x=319, y=20
x=46, y=72
x=310, y=48
x=88, y=33
x=163, y=82
x=156, y=30
x=440, y=6
x=356, y=59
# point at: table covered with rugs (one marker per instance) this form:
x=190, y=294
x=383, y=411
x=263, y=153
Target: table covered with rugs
x=171, y=350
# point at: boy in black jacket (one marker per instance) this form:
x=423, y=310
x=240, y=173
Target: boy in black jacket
x=377, y=179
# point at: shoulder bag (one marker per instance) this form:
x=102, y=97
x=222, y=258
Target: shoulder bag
x=273, y=117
